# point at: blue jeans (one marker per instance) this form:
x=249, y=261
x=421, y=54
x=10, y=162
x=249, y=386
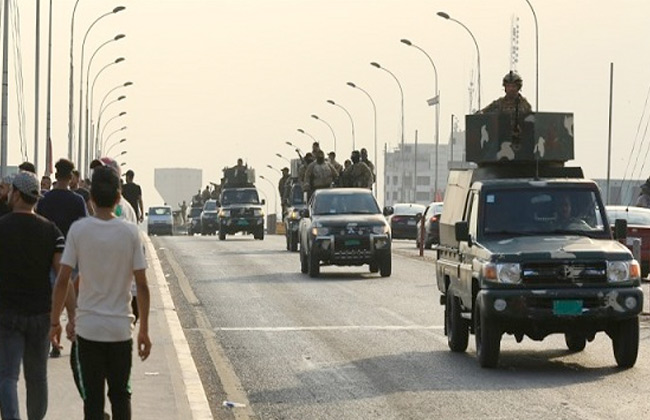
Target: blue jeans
x=24, y=338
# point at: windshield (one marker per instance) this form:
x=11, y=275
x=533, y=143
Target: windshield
x=408, y=209
x=195, y=211
x=240, y=197
x=160, y=211
x=538, y=212
x=210, y=205
x=345, y=204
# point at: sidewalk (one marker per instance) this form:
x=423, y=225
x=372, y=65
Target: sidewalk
x=165, y=386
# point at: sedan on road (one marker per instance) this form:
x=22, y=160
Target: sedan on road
x=160, y=221
x=638, y=227
x=344, y=226
x=404, y=219
x=431, y=220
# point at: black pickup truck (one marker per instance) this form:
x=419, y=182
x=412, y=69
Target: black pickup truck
x=240, y=210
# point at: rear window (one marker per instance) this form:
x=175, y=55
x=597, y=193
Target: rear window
x=160, y=211
x=408, y=209
x=632, y=215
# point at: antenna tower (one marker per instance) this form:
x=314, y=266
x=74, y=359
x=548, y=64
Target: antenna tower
x=514, y=42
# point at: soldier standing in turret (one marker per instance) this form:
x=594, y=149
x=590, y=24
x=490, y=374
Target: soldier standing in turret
x=513, y=103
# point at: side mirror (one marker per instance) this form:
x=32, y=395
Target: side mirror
x=388, y=210
x=620, y=229
x=263, y=202
x=461, y=230
x=304, y=213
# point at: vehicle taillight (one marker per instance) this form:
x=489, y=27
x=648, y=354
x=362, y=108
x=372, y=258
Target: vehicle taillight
x=434, y=219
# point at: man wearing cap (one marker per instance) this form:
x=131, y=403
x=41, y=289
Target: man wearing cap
x=133, y=194
x=643, y=200
x=30, y=247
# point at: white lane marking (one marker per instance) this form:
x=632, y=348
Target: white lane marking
x=336, y=328
x=198, y=401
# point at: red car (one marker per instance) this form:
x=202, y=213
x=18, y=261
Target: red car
x=638, y=226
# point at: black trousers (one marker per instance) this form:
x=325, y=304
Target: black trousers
x=103, y=363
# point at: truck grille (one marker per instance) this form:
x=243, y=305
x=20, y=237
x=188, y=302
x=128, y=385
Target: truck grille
x=241, y=212
x=565, y=272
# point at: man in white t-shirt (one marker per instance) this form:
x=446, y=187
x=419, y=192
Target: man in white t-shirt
x=108, y=252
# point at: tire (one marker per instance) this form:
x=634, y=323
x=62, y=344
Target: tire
x=374, y=267
x=222, y=236
x=304, y=266
x=575, y=342
x=386, y=265
x=288, y=240
x=313, y=265
x=488, y=339
x=427, y=245
x=293, y=246
x=259, y=235
x=625, y=341
x=456, y=327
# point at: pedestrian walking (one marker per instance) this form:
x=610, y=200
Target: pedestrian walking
x=133, y=194
x=30, y=247
x=109, y=253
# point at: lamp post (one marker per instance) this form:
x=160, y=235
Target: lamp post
x=275, y=198
x=92, y=104
x=89, y=148
x=105, y=142
x=282, y=157
x=101, y=111
x=314, y=116
x=300, y=130
x=122, y=153
x=435, y=101
x=101, y=134
x=478, y=54
x=71, y=85
x=377, y=65
x=331, y=102
x=374, y=109
x=81, y=73
x=536, y=57
x=274, y=169
x=113, y=145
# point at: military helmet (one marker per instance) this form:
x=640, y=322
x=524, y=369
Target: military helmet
x=513, y=77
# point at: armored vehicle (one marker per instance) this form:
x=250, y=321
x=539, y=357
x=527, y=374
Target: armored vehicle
x=526, y=248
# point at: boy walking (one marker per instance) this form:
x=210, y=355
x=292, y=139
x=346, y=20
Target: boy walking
x=109, y=253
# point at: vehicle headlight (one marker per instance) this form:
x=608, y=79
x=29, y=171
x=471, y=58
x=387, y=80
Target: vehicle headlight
x=294, y=215
x=320, y=231
x=258, y=212
x=381, y=230
x=224, y=213
x=618, y=271
x=509, y=273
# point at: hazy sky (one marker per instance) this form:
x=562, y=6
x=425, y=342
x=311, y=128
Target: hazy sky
x=216, y=80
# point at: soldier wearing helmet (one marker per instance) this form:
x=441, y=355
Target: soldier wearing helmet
x=513, y=103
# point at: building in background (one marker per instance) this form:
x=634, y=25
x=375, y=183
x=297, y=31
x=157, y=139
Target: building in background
x=177, y=184
x=419, y=170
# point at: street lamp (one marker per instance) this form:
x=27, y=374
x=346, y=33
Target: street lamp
x=101, y=135
x=104, y=143
x=377, y=65
x=122, y=153
x=374, y=108
x=478, y=54
x=113, y=145
x=435, y=101
x=300, y=130
x=274, y=169
x=81, y=73
x=275, y=198
x=331, y=102
x=101, y=111
x=314, y=116
x=536, y=57
x=89, y=99
x=71, y=85
x=282, y=157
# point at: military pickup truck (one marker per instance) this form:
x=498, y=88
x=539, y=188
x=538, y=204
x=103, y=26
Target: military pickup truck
x=526, y=248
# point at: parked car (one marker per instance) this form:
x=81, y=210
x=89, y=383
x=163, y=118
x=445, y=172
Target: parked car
x=344, y=226
x=210, y=218
x=404, y=219
x=638, y=226
x=160, y=221
x=194, y=220
x=431, y=219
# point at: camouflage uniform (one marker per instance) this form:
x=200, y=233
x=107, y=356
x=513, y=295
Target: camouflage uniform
x=319, y=175
x=357, y=175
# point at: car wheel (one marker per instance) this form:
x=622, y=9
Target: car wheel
x=625, y=341
x=456, y=327
x=313, y=264
x=294, y=242
x=575, y=342
x=488, y=339
x=287, y=237
x=374, y=267
x=304, y=266
x=222, y=236
x=259, y=234
x=386, y=265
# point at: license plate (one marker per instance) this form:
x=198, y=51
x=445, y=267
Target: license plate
x=411, y=222
x=242, y=222
x=567, y=307
x=352, y=242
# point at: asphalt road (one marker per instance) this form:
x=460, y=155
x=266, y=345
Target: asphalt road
x=353, y=345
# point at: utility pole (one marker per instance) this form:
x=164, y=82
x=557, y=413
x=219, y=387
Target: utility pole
x=36, y=80
x=5, y=88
